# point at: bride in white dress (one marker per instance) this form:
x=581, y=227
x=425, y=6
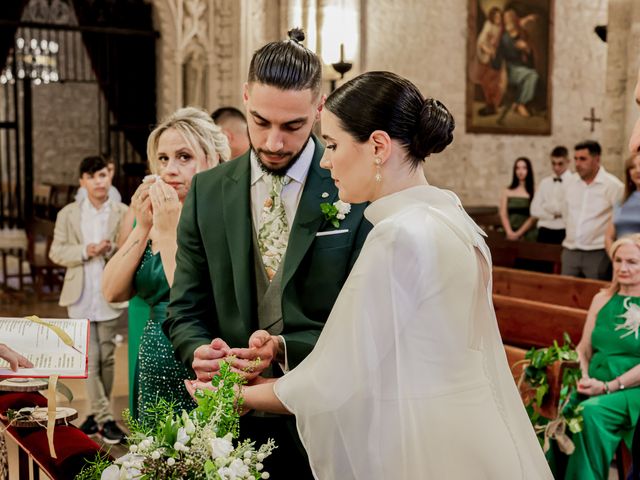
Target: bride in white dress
x=409, y=379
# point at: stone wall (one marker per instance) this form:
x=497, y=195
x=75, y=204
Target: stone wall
x=426, y=42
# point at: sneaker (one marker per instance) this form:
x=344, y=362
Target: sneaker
x=89, y=426
x=111, y=433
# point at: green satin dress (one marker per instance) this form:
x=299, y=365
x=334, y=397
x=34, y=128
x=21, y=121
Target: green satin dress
x=518, y=211
x=608, y=419
x=160, y=375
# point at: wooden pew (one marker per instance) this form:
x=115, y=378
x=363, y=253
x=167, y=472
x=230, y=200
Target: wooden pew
x=507, y=253
x=527, y=323
x=547, y=288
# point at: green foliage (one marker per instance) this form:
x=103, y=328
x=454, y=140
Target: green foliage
x=223, y=402
x=330, y=213
x=535, y=375
x=94, y=468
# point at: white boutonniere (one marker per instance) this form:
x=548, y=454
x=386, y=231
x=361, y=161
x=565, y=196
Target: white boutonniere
x=336, y=212
x=632, y=319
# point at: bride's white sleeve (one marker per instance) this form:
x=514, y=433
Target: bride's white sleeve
x=331, y=391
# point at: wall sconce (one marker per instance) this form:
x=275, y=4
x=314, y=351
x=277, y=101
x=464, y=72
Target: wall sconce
x=341, y=67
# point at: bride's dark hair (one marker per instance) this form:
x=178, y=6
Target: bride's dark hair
x=385, y=101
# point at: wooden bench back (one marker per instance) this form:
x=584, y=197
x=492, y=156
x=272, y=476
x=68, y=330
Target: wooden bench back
x=506, y=252
x=545, y=287
x=526, y=323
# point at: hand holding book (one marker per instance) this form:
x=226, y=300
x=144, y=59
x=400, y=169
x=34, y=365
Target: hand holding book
x=51, y=346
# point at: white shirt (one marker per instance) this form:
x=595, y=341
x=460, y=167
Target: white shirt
x=291, y=192
x=91, y=303
x=548, y=200
x=588, y=209
x=114, y=194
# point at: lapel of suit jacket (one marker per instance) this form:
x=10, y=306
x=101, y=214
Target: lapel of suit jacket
x=236, y=200
x=309, y=217
x=74, y=221
x=113, y=221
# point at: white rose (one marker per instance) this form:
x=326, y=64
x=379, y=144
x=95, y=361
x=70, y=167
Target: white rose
x=112, y=472
x=221, y=447
x=341, y=216
x=182, y=436
x=343, y=208
x=238, y=468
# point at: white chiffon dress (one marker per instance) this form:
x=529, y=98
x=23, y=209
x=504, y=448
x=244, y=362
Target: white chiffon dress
x=409, y=379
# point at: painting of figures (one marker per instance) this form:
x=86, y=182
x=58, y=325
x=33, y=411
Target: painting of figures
x=509, y=55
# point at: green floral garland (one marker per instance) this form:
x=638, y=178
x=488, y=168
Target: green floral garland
x=535, y=376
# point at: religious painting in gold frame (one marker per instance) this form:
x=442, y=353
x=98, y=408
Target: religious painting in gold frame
x=509, y=60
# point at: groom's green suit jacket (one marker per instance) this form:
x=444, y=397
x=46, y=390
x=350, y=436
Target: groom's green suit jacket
x=214, y=289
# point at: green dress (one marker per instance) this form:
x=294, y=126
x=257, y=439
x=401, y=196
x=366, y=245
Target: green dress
x=138, y=314
x=518, y=211
x=608, y=419
x=160, y=375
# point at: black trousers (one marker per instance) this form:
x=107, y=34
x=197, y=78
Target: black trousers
x=289, y=460
x=549, y=235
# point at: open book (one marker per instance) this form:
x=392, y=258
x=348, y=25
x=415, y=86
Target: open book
x=45, y=347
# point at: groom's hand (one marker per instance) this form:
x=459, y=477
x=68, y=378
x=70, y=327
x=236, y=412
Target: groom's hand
x=262, y=345
x=206, y=359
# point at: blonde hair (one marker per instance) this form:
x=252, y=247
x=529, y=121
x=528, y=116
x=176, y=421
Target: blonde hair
x=631, y=239
x=197, y=129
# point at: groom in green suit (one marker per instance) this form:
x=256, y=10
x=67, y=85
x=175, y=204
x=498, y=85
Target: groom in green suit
x=255, y=250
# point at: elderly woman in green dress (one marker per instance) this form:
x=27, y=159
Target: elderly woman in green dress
x=609, y=354
x=184, y=144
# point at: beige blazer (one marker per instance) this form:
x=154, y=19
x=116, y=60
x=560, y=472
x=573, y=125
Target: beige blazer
x=68, y=245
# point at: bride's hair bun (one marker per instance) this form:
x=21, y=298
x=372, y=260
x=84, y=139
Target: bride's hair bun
x=385, y=101
x=434, y=129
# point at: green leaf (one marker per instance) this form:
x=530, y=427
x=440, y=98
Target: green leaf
x=540, y=393
x=335, y=222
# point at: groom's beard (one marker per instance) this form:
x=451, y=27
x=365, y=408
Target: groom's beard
x=282, y=171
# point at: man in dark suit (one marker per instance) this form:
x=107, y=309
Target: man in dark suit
x=255, y=250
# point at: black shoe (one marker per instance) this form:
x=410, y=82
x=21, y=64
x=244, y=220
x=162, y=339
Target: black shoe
x=89, y=426
x=111, y=433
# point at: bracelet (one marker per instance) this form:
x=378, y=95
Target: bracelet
x=605, y=388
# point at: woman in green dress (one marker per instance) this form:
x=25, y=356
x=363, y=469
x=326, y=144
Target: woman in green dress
x=137, y=318
x=516, y=220
x=609, y=354
x=185, y=143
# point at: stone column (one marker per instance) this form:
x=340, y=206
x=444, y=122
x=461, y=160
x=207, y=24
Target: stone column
x=623, y=55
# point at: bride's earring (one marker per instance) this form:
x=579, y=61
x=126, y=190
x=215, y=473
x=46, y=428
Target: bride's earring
x=378, y=176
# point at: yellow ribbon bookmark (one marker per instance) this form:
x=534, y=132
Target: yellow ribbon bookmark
x=51, y=413
x=64, y=336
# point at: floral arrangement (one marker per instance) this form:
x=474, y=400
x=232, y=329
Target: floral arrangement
x=335, y=212
x=535, y=377
x=195, y=445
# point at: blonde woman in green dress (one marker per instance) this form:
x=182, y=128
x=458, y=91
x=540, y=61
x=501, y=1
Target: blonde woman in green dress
x=517, y=222
x=609, y=354
x=186, y=143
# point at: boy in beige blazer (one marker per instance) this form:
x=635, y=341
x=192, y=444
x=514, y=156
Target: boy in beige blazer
x=84, y=239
